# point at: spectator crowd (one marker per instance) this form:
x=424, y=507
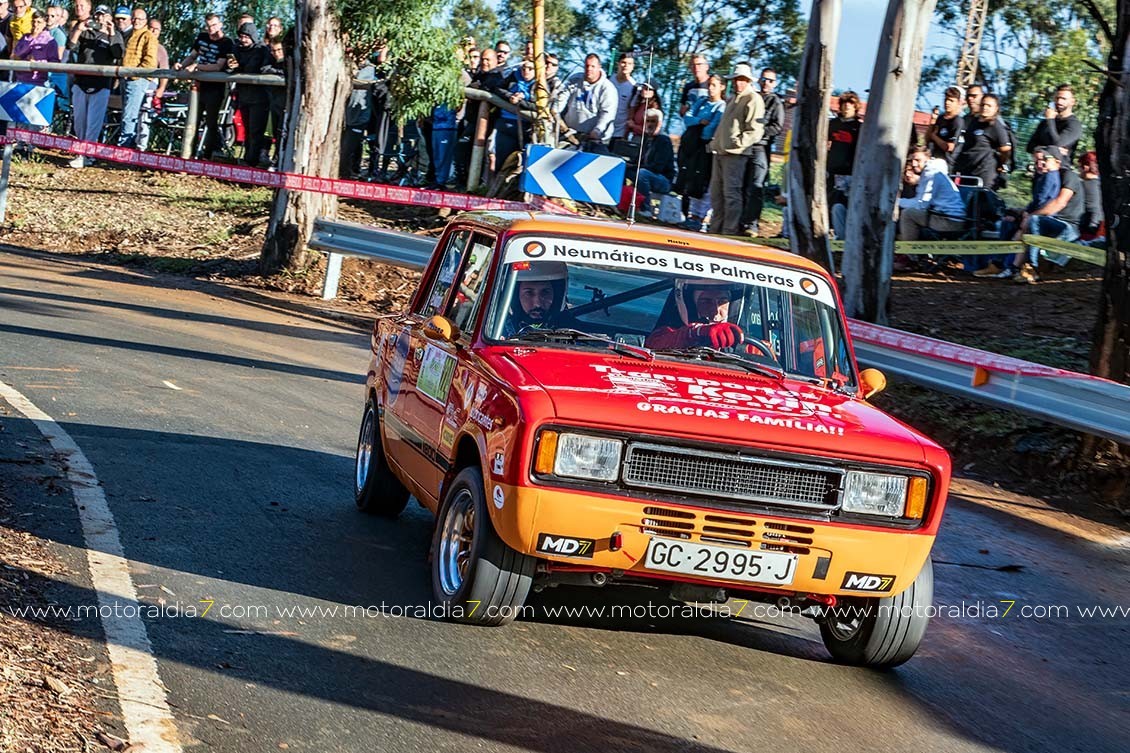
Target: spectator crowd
x=714, y=181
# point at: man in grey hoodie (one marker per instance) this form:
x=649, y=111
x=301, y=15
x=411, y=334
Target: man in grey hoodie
x=588, y=106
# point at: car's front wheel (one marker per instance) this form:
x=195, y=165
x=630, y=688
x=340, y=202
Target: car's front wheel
x=476, y=577
x=376, y=490
x=881, y=633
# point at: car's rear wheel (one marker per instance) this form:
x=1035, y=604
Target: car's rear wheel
x=476, y=577
x=375, y=488
x=873, y=632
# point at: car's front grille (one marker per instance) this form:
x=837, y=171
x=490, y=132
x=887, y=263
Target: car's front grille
x=732, y=476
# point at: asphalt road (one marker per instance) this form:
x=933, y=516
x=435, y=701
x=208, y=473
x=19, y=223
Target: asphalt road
x=233, y=485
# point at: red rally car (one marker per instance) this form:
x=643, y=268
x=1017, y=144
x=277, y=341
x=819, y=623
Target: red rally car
x=587, y=402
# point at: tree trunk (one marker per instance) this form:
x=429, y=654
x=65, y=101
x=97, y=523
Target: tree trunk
x=877, y=173
x=318, y=87
x=807, y=178
x=1110, y=349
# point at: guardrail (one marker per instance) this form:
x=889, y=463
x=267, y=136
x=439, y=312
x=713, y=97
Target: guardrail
x=1078, y=401
x=1086, y=254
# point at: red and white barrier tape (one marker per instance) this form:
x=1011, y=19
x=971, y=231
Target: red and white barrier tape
x=351, y=189
x=959, y=354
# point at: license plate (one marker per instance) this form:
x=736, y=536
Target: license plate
x=707, y=561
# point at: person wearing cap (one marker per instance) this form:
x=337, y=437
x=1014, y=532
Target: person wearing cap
x=123, y=22
x=1059, y=218
x=254, y=101
x=738, y=134
x=645, y=98
x=944, y=134
x=757, y=170
x=94, y=42
x=212, y=52
x=141, y=52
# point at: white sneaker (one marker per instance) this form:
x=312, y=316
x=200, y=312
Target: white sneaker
x=79, y=161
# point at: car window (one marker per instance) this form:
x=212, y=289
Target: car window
x=669, y=302
x=445, y=273
x=465, y=304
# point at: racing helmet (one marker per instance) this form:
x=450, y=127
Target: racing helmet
x=554, y=272
x=686, y=289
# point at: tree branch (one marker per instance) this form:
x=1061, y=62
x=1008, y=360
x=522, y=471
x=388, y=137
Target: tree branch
x=1097, y=15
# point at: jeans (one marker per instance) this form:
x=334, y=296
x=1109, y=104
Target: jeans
x=1050, y=227
x=132, y=101
x=89, y=112
x=726, y=190
x=757, y=170
x=506, y=140
x=145, y=121
x=443, y=154
x=650, y=182
x=211, y=102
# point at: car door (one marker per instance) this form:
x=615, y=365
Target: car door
x=431, y=408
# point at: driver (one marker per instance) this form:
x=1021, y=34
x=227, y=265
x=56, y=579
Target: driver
x=539, y=297
x=696, y=314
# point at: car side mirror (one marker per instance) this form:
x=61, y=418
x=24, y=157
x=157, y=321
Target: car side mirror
x=873, y=382
x=441, y=328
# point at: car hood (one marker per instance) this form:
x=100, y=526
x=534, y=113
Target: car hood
x=704, y=402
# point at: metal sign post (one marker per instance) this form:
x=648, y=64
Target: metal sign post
x=26, y=104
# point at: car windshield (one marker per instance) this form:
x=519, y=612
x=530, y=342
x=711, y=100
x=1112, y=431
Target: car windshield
x=670, y=304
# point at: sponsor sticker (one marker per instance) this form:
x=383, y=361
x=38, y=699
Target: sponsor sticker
x=436, y=370
x=566, y=546
x=683, y=263
x=446, y=437
x=499, y=497
x=499, y=464
x=867, y=582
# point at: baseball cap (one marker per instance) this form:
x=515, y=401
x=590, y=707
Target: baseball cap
x=123, y=11
x=101, y=9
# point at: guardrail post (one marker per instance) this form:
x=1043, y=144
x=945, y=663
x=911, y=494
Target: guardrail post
x=333, y=276
x=190, y=122
x=4, y=173
x=478, y=151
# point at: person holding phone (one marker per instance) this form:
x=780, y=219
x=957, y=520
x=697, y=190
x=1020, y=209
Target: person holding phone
x=95, y=42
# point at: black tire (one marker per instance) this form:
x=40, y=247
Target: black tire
x=376, y=489
x=492, y=582
x=857, y=631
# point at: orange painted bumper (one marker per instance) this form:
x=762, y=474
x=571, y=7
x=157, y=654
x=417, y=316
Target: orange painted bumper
x=827, y=552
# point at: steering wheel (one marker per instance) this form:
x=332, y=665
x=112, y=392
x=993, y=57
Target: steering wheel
x=752, y=346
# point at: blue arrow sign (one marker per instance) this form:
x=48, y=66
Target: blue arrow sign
x=580, y=176
x=27, y=103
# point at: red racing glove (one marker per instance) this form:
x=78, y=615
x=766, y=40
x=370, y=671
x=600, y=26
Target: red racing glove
x=719, y=334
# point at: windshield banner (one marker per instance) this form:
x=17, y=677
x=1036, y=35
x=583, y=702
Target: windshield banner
x=679, y=263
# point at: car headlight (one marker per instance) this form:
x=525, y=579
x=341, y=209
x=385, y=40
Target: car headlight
x=579, y=456
x=875, y=494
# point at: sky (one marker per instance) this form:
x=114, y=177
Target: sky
x=858, y=41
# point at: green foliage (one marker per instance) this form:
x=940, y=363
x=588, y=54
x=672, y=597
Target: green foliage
x=569, y=32
x=764, y=32
x=477, y=19
x=425, y=71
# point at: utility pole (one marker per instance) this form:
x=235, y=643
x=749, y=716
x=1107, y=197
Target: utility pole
x=807, y=179
x=541, y=90
x=876, y=176
x=971, y=45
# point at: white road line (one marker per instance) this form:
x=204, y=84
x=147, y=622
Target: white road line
x=141, y=694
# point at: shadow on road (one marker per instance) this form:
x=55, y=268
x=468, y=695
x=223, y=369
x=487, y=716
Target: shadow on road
x=259, y=518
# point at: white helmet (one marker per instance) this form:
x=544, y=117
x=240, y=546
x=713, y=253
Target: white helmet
x=544, y=271
x=683, y=283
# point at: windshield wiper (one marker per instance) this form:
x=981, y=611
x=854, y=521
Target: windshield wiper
x=705, y=351
x=575, y=335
